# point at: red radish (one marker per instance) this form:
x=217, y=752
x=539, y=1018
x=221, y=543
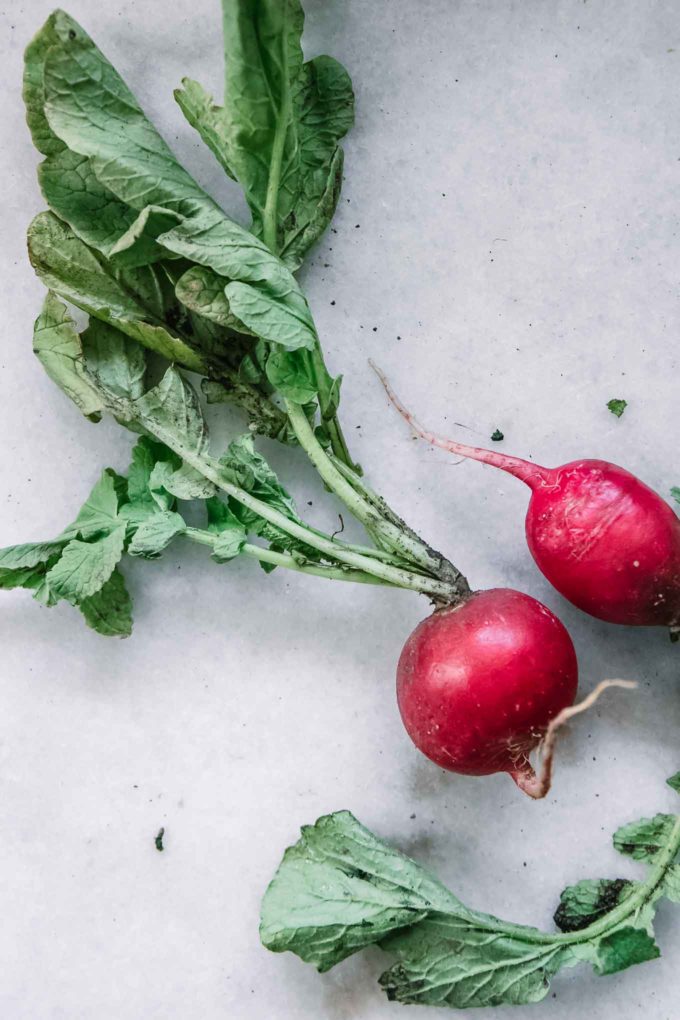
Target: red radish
x=481, y=684
x=478, y=684
x=603, y=538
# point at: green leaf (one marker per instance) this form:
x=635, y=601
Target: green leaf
x=183, y=482
x=279, y=129
x=309, y=222
x=207, y=118
x=85, y=567
x=340, y=889
x=585, y=902
x=228, y=545
x=146, y=453
x=109, y=611
x=58, y=347
x=447, y=962
x=67, y=178
x=115, y=361
x=89, y=107
x=617, y=407
x=99, y=513
x=291, y=374
x=263, y=294
x=202, y=290
x=57, y=26
x=139, y=246
x=225, y=524
x=23, y=566
x=97, y=217
x=69, y=268
x=624, y=948
x=172, y=410
x=155, y=534
x=674, y=782
x=254, y=474
x=644, y=840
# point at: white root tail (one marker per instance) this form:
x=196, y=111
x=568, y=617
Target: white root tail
x=536, y=784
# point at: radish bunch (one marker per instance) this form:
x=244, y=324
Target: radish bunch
x=173, y=284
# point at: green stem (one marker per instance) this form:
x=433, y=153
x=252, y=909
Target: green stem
x=332, y=422
x=336, y=551
x=629, y=906
x=270, y=217
x=397, y=537
x=280, y=559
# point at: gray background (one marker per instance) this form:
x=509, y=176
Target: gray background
x=514, y=171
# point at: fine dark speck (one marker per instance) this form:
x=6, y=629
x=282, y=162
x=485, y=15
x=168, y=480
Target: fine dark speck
x=497, y=436
x=332, y=302
x=356, y=226
x=159, y=840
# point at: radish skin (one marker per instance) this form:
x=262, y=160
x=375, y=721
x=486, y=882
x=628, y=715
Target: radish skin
x=605, y=540
x=479, y=684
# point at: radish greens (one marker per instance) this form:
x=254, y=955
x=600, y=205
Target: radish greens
x=340, y=889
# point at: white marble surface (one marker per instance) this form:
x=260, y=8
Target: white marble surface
x=514, y=171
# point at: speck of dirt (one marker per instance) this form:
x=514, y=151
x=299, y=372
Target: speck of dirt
x=159, y=840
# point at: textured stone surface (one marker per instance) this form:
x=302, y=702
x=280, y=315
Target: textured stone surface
x=507, y=250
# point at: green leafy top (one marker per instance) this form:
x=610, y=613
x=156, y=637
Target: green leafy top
x=102, y=370
x=113, y=179
x=168, y=279
x=279, y=128
x=340, y=889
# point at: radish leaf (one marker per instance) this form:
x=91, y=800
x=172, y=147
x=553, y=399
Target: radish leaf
x=58, y=347
x=84, y=567
x=585, y=902
x=69, y=268
x=109, y=611
x=155, y=534
x=340, y=889
x=279, y=129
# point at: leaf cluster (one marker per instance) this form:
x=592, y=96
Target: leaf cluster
x=340, y=889
x=169, y=281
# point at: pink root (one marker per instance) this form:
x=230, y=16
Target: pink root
x=536, y=784
x=527, y=472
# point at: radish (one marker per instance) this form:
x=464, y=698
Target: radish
x=604, y=539
x=480, y=685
